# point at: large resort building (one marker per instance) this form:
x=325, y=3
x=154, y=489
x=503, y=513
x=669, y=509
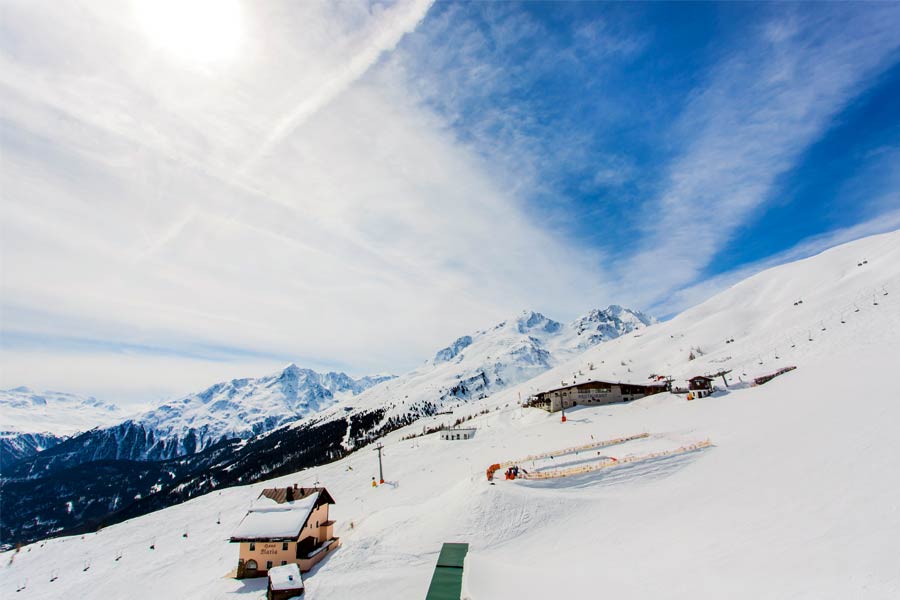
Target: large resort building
x=283, y=526
x=593, y=393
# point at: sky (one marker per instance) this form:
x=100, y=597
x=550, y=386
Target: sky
x=198, y=190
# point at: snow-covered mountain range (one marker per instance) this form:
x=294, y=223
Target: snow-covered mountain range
x=240, y=408
x=801, y=472
x=490, y=360
x=59, y=413
x=31, y=422
x=245, y=407
x=471, y=367
x=330, y=414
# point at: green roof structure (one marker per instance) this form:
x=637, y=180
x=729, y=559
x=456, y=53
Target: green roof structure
x=446, y=583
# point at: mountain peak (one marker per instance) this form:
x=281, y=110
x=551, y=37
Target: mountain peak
x=603, y=324
x=246, y=407
x=293, y=370
x=453, y=350
x=531, y=320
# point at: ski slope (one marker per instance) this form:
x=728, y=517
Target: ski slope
x=797, y=497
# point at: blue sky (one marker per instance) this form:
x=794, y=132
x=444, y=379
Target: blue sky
x=201, y=190
x=603, y=93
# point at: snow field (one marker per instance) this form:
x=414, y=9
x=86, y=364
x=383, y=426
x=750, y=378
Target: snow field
x=799, y=497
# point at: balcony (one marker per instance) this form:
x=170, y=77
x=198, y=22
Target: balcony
x=308, y=560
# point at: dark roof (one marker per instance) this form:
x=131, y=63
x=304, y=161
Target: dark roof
x=279, y=495
x=706, y=377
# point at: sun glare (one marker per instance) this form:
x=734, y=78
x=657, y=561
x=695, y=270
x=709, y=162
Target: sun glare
x=200, y=31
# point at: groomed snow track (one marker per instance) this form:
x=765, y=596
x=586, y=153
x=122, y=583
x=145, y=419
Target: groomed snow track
x=573, y=450
x=603, y=463
x=612, y=462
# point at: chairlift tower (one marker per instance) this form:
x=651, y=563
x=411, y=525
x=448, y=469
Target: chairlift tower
x=380, y=471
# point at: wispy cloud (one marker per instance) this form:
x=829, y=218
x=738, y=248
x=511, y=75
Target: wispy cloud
x=769, y=98
x=361, y=184
x=513, y=89
x=542, y=102
x=366, y=237
x=388, y=28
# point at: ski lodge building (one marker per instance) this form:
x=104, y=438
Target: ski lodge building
x=458, y=433
x=701, y=386
x=284, y=526
x=593, y=393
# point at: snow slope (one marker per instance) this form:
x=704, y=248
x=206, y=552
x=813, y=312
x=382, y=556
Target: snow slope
x=798, y=497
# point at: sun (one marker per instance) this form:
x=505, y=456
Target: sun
x=198, y=31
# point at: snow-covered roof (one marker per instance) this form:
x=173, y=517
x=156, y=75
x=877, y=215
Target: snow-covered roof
x=269, y=520
x=285, y=577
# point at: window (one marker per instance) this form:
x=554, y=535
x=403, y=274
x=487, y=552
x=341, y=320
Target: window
x=317, y=524
x=284, y=562
x=251, y=565
x=284, y=545
x=268, y=565
x=252, y=546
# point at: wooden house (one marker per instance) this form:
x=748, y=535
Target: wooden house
x=285, y=526
x=700, y=386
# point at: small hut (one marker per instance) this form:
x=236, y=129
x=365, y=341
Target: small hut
x=285, y=582
x=458, y=433
x=701, y=386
